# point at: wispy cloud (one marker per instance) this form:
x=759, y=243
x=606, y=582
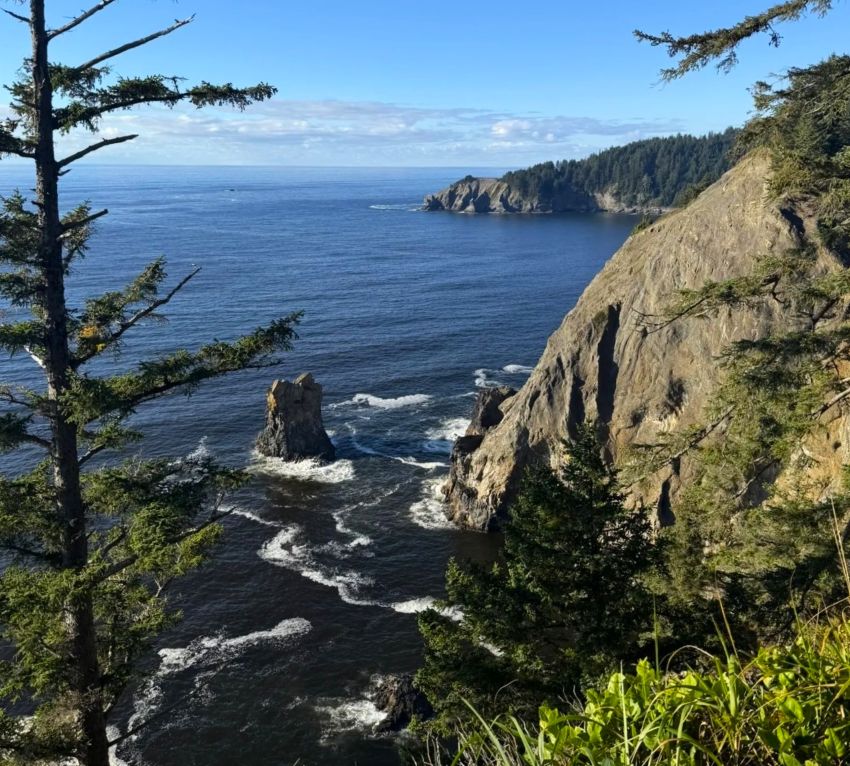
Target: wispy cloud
x=331, y=132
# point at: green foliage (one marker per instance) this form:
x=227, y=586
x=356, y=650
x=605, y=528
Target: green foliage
x=651, y=173
x=566, y=602
x=89, y=555
x=720, y=45
x=788, y=705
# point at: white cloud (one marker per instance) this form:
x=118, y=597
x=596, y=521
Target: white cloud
x=327, y=132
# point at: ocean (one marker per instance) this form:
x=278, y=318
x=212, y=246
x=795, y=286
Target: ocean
x=315, y=588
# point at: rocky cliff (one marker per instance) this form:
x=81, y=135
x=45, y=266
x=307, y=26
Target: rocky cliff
x=605, y=363
x=491, y=195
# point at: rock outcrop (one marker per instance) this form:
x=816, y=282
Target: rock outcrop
x=640, y=381
x=294, y=429
x=492, y=195
x=401, y=701
x=490, y=407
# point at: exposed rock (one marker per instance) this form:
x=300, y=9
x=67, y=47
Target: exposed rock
x=488, y=409
x=402, y=702
x=294, y=429
x=491, y=195
x=605, y=363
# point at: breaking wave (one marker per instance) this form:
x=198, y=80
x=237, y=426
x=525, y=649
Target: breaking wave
x=205, y=654
x=517, y=369
x=378, y=402
x=349, y=715
x=288, y=550
x=442, y=438
x=408, y=207
x=303, y=470
x=427, y=512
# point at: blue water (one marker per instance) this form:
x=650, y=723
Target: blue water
x=406, y=314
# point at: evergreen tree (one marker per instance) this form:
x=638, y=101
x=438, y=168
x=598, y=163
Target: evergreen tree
x=655, y=172
x=720, y=45
x=566, y=602
x=770, y=550
x=90, y=553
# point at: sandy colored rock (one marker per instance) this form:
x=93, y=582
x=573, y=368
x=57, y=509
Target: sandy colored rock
x=603, y=363
x=294, y=429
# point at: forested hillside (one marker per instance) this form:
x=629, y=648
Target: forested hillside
x=656, y=172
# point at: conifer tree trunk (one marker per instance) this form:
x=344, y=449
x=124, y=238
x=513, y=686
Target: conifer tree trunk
x=66, y=469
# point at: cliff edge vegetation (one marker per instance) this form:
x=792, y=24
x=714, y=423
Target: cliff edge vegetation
x=644, y=176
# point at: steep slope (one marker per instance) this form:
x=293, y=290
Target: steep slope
x=608, y=363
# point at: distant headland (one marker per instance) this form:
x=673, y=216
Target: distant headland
x=648, y=176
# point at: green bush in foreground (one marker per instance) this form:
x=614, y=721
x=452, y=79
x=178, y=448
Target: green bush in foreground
x=788, y=705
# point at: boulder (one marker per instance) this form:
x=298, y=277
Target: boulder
x=294, y=429
x=397, y=696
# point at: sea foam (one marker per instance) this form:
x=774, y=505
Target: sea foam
x=287, y=549
x=378, y=402
x=427, y=512
x=303, y=470
x=442, y=438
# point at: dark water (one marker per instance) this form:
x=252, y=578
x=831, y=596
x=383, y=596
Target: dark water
x=316, y=586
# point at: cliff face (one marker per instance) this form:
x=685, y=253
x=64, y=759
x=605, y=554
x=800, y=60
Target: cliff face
x=491, y=195
x=604, y=363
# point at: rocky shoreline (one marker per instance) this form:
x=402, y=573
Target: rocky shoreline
x=494, y=196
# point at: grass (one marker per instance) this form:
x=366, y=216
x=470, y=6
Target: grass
x=787, y=705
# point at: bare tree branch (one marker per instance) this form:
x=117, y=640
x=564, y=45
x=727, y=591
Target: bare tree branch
x=17, y=16
x=35, y=357
x=94, y=147
x=79, y=19
x=134, y=44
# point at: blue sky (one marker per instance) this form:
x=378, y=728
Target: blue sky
x=403, y=82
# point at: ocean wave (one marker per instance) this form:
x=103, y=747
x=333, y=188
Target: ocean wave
x=218, y=648
x=403, y=206
x=517, y=369
x=442, y=438
x=427, y=512
x=408, y=460
x=378, y=402
x=484, y=379
x=429, y=465
x=287, y=549
x=200, y=654
x=349, y=715
x=413, y=605
x=254, y=517
x=303, y=470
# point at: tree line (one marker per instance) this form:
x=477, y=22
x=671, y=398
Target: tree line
x=655, y=172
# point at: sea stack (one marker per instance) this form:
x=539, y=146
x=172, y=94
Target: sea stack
x=294, y=429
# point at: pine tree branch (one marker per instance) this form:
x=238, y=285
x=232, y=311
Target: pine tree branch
x=17, y=16
x=134, y=44
x=127, y=562
x=89, y=454
x=134, y=320
x=696, y=51
x=75, y=22
x=94, y=147
x=83, y=221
